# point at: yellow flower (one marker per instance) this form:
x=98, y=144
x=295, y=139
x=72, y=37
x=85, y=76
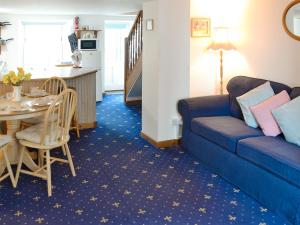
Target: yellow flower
x=6, y=79
x=11, y=73
x=15, y=80
x=27, y=76
x=21, y=72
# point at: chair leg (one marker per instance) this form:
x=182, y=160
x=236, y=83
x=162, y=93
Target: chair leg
x=41, y=154
x=75, y=122
x=8, y=166
x=70, y=160
x=19, y=165
x=64, y=150
x=48, y=165
x=77, y=130
x=21, y=126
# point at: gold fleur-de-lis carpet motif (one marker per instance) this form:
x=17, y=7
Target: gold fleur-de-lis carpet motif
x=121, y=179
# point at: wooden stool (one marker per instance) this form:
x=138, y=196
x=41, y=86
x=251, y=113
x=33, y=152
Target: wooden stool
x=4, y=140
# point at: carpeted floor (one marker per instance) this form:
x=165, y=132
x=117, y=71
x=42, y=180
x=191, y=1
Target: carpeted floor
x=121, y=179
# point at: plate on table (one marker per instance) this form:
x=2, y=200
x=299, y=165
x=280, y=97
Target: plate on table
x=44, y=101
x=36, y=95
x=18, y=109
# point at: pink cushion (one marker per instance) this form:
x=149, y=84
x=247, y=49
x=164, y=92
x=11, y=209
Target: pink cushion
x=263, y=113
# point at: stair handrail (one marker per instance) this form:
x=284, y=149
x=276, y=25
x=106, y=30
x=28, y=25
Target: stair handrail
x=134, y=45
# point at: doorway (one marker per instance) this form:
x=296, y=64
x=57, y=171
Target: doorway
x=115, y=34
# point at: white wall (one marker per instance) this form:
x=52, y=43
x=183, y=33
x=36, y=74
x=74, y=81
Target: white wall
x=150, y=72
x=174, y=62
x=12, y=53
x=165, y=67
x=264, y=50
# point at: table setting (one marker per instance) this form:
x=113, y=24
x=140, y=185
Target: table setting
x=26, y=104
x=16, y=106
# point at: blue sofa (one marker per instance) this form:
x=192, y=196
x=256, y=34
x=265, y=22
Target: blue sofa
x=266, y=168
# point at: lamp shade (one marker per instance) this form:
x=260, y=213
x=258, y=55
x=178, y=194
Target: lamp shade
x=221, y=46
x=221, y=40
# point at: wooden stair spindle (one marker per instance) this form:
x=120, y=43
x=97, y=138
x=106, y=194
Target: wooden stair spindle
x=133, y=54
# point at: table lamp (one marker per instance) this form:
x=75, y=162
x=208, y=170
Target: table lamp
x=221, y=43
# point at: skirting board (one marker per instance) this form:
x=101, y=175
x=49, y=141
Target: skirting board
x=83, y=126
x=135, y=102
x=160, y=144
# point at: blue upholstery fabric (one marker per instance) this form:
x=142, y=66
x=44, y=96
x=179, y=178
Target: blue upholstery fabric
x=240, y=85
x=295, y=92
x=202, y=106
x=273, y=154
x=279, y=195
x=274, y=183
x=225, y=131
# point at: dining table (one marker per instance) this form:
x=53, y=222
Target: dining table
x=13, y=112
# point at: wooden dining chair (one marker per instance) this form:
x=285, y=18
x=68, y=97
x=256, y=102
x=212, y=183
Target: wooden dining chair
x=53, y=86
x=4, y=140
x=49, y=135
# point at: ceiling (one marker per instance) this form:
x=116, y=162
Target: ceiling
x=71, y=7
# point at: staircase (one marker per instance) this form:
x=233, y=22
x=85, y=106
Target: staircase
x=133, y=62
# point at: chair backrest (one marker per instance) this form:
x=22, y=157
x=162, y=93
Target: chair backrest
x=58, y=118
x=54, y=85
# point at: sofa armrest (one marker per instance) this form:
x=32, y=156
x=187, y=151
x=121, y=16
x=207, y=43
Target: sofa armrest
x=216, y=105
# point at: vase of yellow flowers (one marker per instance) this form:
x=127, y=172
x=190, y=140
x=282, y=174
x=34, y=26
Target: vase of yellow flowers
x=16, y=79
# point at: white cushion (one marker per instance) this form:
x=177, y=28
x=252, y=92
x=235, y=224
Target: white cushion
x=4, y=140
x=252, y=98
x=34, y=134
x=287, y=116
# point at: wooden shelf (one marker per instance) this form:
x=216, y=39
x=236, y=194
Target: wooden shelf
x=90, y=30
x=79, y=32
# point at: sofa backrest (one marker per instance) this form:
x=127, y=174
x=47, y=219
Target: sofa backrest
x=295, y=92
x=240, y=85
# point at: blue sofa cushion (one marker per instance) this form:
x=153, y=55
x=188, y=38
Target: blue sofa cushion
x=240, y=85
x=215, y=105
x=295, y=92
x=224, y=131
x=273, y=154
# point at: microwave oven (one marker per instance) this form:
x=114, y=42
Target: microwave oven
x=88, y=44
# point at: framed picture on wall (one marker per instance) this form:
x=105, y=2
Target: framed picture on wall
x=200, y=27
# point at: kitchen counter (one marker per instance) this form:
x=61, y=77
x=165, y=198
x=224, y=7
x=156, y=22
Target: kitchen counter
x=63, y=72
x=83, y=80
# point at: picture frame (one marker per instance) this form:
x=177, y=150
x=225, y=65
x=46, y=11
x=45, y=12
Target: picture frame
x=200, y=27
x=149, y=24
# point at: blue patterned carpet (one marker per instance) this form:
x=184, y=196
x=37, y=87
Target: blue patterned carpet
x=121, y=179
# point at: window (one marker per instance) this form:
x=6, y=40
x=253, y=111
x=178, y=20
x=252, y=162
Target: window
x=115, y=34
x=46, y=44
